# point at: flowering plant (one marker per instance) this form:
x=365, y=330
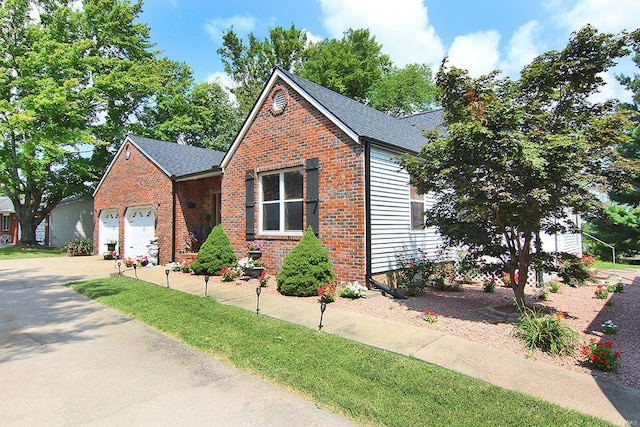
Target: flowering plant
x=110, y=255
x=609, y=327
x=430, y=316
x=352, y=290
x=617, y=288
x=506, y=278
x=255, y=245
x=263, y=279
x=129, y=262
x=600, y=355
x=229, y=274
x=246, y=263
x=326, y=292
x=602, y=292
x=489, y=285
x=142, y=260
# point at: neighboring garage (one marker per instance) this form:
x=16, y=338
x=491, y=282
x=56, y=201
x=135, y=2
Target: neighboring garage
x=109, y=229
x=139, y=230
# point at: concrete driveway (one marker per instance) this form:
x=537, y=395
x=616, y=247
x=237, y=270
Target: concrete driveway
x=66, y=360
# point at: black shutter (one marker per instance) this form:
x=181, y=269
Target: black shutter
x=313, y=201
x=250, y=204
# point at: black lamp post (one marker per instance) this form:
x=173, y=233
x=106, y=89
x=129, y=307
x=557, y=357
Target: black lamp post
x=258, y=290
x=119, y=269
x=135, y=270
x=206, y=284
x=323, y=307
x=167, y=273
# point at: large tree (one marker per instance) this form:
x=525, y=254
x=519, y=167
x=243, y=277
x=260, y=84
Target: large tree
x=72, y=74
x=250, y=65
x=520, y=155
x=404, y=91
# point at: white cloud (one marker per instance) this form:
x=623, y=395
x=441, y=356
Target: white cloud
x=225, y=81
x=401, y=26
x=242, y=24
x=522, y=49
x=477, y=52
x=606, y=15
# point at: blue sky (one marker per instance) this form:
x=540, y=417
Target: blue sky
x=477, y=35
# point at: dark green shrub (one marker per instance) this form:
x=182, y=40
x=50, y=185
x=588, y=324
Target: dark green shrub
x=215, y=253
x=575, y=270
x=305, y=268
x=79, y=247
x=546, y=332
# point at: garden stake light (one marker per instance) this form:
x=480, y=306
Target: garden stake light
x=206, y=284
x=167, y=273
x=323, y=307
x=119, y=270
x=135, y=270
x=258, y=290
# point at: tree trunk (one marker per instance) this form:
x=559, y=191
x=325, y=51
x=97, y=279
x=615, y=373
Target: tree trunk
x=28, y=225
x=523, y=271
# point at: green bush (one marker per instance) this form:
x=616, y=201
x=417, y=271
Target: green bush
x=305, y=268
x=546, y=332
x=81, y=246
x=553, y=286
x=215, y=253
x=575, y=270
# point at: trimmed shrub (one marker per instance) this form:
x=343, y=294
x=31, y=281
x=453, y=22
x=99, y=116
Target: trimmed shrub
x=79, y=247
x=305, y=268
x=215, y=253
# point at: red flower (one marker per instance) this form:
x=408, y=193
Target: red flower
x=616, y=353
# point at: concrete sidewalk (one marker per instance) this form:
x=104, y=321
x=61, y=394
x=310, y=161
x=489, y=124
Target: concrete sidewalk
x=618, y=404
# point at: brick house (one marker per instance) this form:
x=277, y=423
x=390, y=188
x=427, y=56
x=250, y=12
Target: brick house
x=157, y=189
x=305, y=156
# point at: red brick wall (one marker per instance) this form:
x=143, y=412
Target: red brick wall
x=278, y=141
x=192, y=205
x=136, y=182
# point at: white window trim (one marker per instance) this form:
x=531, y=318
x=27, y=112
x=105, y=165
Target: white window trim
x=281, y=202
x=6, y=222
x=422, y=200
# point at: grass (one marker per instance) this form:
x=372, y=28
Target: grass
x=368, y=385
x=12, y=252
x=620, y=265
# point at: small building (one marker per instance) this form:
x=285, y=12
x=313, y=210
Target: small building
x=8, y=222
x=71, y=219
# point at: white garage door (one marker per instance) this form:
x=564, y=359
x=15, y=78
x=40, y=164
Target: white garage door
x=109, y=229
x=139, y=230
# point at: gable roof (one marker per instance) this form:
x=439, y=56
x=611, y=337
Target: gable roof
x=358, y=121
x=174, y=160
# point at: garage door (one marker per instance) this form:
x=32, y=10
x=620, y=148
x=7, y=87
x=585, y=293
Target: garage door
x=139, y=230
x=109, y=229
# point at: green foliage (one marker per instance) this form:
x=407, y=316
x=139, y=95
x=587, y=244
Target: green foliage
x=618, y=225
x=80, y=246
x=402, y=92
x=489, y=285
x=349, y=66
x=215, y=253
x=574, y=270
x=600, y=355
x=553, y=286
x=305, y=268
x=508, y=166
x=250, y=66
x=546, y=332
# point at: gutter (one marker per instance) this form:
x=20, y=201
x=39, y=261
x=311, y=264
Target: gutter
x=173, y=220
x=367, y=197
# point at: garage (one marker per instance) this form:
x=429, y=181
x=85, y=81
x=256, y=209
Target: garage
x=109, y=229
x=139, y=230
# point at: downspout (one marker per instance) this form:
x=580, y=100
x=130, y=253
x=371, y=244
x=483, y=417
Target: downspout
x=173, y=220
x=367, y=197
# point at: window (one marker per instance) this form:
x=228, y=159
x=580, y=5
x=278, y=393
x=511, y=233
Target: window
x=417, y=208
x=281, y=202
x=6, y=222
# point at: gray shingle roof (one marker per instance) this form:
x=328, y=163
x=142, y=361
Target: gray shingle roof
x=177, y=159
x=365, y=121
x=6, y=205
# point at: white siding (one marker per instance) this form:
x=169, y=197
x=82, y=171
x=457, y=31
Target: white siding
x=71, y=220
x=391, y=214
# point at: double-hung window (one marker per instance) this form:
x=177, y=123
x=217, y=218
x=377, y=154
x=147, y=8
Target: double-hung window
x=6, y=222
x=281, y=201
x=417, y=208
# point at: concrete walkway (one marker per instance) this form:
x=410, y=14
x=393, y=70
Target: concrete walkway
x=618, y=404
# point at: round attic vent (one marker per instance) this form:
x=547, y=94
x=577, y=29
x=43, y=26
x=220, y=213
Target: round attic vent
x=279, y=102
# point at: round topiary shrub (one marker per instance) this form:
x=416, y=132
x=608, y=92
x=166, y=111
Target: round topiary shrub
x=305, y=268
x=215, y=253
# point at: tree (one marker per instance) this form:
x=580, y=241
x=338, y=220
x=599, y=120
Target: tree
x=402, y=92
x=349, y=66
x=70, y=76
x=250, y=66
x=518, y=156
x=216, y=252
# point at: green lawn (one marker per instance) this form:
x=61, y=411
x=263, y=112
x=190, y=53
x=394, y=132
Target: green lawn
x=11, y=252
x=368, y=385
x=620, y=265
